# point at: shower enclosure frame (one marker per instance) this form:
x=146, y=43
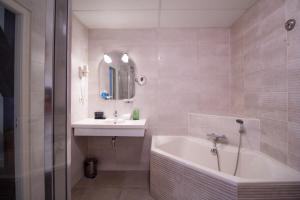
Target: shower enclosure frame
x=57, y=107
x=56, y=132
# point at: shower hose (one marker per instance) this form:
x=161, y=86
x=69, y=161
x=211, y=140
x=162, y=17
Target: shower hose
x=238, y=156
x=217, y=153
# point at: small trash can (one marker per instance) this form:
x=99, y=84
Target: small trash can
x=90, y=167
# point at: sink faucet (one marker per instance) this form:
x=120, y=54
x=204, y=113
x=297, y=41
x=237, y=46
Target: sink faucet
x=115, y=116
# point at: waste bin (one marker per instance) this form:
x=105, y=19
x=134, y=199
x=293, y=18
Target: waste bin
x=90, y=167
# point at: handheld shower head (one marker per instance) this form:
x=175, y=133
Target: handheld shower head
x=241, y=123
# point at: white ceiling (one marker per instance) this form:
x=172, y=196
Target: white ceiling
x=159, y=13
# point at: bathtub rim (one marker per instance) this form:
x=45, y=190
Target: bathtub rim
x=216, y=174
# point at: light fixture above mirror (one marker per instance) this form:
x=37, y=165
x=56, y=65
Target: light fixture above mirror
x=107, y=59
x=125, y=58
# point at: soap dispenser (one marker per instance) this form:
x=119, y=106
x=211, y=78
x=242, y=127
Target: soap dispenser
x=135, y=114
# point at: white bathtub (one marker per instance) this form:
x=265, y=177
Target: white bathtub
x=258, y=176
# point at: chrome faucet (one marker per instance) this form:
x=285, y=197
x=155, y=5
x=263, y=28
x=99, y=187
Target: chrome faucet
x=116, y=114
x=217, y=138
x=115, y=117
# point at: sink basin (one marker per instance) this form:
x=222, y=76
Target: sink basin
x=113, y=121
x=110, y=127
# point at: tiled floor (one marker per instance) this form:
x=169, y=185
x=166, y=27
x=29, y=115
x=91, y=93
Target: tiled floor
x=114, y=185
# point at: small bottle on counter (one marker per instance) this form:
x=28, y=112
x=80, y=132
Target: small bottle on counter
x=136, y=114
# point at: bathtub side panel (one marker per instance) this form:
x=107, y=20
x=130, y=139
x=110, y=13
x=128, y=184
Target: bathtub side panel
x=170, y=180
x=166, y=178
x=269, y=191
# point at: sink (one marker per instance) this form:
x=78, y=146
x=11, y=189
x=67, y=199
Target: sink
x=110, y=127
x=114, y=121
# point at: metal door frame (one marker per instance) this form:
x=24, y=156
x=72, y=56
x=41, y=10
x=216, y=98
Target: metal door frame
x=56, y=100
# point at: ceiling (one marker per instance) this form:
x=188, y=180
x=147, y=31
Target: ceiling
x=159, y=13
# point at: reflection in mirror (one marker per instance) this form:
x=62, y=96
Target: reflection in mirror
x=117, y=76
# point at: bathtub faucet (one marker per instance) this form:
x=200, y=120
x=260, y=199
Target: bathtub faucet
x=217, y=138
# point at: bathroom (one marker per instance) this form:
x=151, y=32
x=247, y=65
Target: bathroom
x=205, y=64
x=150, y=100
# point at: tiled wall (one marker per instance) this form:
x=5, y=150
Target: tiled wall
x=202, y=124
x=293, y=76
x=79, y=89
x=266, y=73
x=188, y=70
x=37, y=63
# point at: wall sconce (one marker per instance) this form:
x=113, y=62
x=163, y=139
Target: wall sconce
x=125, y=58
x=107, y=59
x=83, y=71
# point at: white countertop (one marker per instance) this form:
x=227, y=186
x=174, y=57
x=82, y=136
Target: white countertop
x=109, y=123
x=108, y=127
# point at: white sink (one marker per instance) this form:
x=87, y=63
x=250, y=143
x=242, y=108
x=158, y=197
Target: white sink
x=110, y=127
x=114, y=121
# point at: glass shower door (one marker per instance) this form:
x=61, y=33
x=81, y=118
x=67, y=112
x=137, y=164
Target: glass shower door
x=33, y=99
x=7, y=104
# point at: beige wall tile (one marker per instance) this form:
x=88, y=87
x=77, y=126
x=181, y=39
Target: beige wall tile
x=79, y=89
x=273, y=152
x=201, y=124
x=294, y=144
x=294, y=108
x=270, y=105
x=293, y=53
x=270, y=57
x=274, y=133
x=187, y=71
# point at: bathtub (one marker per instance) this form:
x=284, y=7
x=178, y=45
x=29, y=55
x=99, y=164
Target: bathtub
x=183, y=168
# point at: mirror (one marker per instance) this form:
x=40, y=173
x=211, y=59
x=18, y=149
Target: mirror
x=117, y=76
